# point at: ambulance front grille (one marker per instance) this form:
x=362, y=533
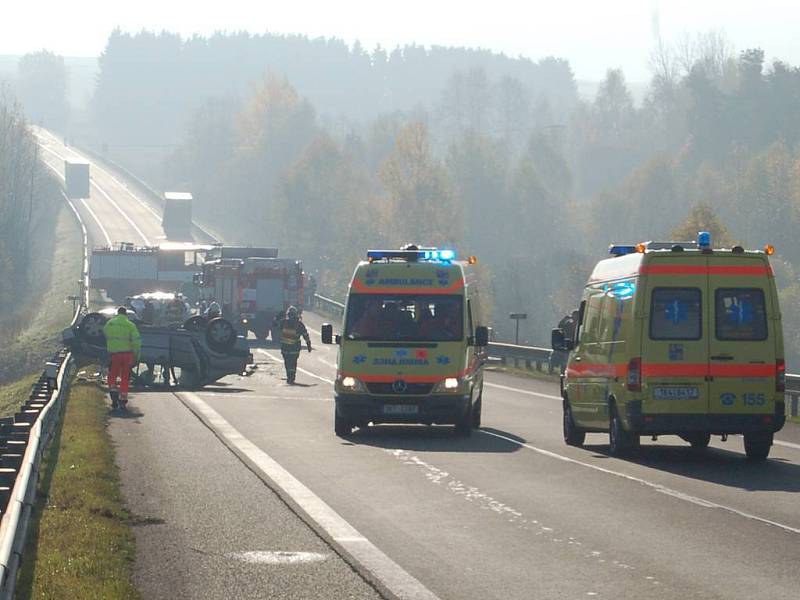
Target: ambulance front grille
x=418, y=389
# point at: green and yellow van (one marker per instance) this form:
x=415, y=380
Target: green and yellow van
x=677, y=338
x=412, y=346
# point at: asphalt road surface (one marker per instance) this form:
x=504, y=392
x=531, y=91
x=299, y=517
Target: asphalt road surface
x=219, y=477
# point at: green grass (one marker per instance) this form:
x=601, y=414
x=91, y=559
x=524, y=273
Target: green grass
x=81, y=543
x=13, y=394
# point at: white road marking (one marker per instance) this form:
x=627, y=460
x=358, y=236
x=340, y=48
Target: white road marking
x=786, y=444
x=123, y=213
x=520, y=391
x=655, y=486
x=327, y=363
x=85, y=204
x=385, y=572
x=277, y=557
x=309, y=373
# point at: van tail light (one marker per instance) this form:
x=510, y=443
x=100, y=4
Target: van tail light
x=635, y=375
x=780, y=375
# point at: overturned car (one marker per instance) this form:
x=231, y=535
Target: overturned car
x=202, y=351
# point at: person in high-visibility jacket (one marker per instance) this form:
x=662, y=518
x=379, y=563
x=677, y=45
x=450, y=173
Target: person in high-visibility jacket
x=292, y=329
x=124, y=344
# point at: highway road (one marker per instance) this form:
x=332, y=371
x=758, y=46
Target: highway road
x=217, y=479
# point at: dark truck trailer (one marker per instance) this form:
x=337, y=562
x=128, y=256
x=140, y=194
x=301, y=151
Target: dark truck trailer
x=76, y=174
x=177, y=219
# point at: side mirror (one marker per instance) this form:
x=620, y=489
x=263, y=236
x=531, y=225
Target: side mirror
x=559, y=342
x=481, y=336
x=327, y=333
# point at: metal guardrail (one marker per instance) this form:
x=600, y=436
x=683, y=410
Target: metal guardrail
x=24, y=439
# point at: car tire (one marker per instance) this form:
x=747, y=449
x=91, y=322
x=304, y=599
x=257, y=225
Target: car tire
x=573, y=436
x=341, y=426
x=621, y=442
x=464, y=424
x=90, y=329
x=476, y=411
x=220, y=335
x=757, y=445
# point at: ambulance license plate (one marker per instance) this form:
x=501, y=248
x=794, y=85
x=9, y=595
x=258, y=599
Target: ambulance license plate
x=689, y=392
x=400, y=409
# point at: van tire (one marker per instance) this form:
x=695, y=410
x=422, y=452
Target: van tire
x=757, y=445
x=464, y=423
x=573, y=436
x=341, y=426
x=621, y=442
x=699, y=440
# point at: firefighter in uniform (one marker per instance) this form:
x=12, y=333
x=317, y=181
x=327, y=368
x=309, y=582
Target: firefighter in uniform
x=292, y=329
x=124, y=344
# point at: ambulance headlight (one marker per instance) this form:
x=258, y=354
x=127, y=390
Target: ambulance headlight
x=450, y=385
x=349, y=384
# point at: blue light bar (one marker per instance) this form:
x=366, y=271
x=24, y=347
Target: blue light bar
x=620, y=250
x=431, y=255
x=704, y=239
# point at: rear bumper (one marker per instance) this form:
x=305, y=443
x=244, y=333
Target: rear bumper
x=442, y=409
x=661, y=424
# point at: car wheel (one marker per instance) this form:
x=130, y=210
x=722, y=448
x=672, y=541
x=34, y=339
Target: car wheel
x=573, y=436
x=757, y=445
x=220, y=335
x=91, y=328
x=621, y=442
x=464, y=423
x=341, y=426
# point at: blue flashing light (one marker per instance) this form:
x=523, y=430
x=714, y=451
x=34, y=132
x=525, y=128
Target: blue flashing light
x=624, y=290
x=619, y=250
x=429, y=255
x=704, y=239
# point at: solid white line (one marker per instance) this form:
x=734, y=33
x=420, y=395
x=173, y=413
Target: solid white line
x=309, y=373
x=655, y=486
x=519, y=391
x=786, y=444
x=387, y=572
x=85, y=204
x=97, y=220
x=123, y=213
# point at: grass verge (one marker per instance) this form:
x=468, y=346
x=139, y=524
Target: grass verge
x=81, y=543
x=14, y=394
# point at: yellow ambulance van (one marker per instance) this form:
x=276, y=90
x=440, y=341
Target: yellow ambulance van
x=412, y=346
x=676, y=338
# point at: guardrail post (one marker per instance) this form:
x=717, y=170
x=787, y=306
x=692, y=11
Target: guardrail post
x=794, y=401
x=528, y=364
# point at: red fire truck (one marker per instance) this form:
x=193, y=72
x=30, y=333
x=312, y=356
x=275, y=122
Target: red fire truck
x=253, y=290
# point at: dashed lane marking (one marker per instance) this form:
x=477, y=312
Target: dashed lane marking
x=303, y=371
x=654, y=486
x=123, y=213
x=265, y=557
x=374, y=565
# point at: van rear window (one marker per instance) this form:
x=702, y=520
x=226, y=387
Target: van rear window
x=741, y=314
x=675, y=314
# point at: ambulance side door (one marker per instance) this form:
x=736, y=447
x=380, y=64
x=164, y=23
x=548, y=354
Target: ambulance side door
x=742, y=346
x=587, y=366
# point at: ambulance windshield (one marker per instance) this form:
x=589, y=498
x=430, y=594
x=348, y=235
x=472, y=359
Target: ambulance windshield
x=422, y=318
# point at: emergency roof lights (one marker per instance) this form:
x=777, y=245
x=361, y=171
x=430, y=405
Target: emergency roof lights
x=703, y=239
x=426, y=254
x=621, y=249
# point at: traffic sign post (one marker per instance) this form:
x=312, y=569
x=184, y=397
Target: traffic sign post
x=517, y=318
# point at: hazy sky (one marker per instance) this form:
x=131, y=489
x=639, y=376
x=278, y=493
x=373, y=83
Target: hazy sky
x=593, y=35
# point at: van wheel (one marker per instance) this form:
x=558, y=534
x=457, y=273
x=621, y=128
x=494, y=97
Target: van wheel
x=621, y=442
x=464, y=423
x=757, y=445
x=573, y=436
x=341, y=426
x=476, y=411
x=699, y=440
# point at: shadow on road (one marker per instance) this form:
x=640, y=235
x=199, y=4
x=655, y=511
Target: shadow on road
x=226, y=390
x=716, y=465
x=432, y=438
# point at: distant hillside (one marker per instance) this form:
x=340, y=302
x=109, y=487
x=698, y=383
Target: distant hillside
x=82, y=77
